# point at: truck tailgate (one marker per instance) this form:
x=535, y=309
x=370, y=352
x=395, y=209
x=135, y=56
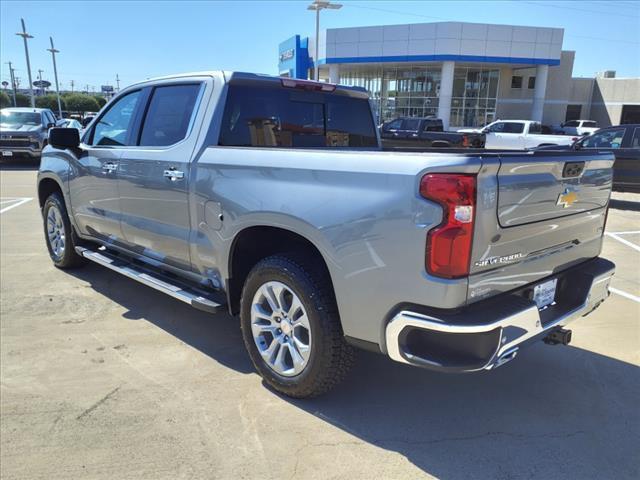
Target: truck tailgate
x=550, y=187
x=538, y=213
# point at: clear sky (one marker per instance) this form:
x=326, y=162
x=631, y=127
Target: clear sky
x=143, y=39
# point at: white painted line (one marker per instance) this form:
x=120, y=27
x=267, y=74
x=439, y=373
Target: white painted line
x=624, y=294
x=626, y=242
x=625, y=233
x=17, y=204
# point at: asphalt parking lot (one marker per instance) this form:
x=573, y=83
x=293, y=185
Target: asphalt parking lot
x=105, y=378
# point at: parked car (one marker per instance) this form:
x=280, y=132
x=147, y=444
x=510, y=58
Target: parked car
x=579, y=127
x=425, y=132
x=24, y=131
x=623, y=141
x=520, y=135
x=271, y=198
x=69, y=123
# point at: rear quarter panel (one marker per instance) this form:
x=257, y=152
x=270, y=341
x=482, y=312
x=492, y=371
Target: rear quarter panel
x=362, y=210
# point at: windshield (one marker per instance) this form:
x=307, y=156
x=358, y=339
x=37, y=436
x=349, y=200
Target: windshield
x=20, y=118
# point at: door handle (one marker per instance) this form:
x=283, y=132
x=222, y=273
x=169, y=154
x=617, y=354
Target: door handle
x=109, y=167
x=173, y=174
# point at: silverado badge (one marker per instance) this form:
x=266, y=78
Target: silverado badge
x=567, y=198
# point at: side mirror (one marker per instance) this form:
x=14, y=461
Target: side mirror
x=64, y=138
x=577, y=145
x=50, y=125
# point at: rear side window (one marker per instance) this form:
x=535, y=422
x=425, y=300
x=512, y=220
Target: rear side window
x=635, y=140
x=169, y=115
x=258, y=116
x=535, y=128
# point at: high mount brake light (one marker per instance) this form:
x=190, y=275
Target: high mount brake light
x=308, y=85
x=448, y=251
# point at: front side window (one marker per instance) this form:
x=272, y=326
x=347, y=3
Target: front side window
x=606, y=139
x=516, y=81
x=169, y=115
x=257, y=116
x=114, y=127
x=590, y=125
x=394, y=125
x=572, y=123
x=411, y=124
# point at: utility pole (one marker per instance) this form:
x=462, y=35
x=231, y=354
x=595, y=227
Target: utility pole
x=86, y=88
x=55, y=73
x=117, y=83
x=25, y=36
x=72, y=83
x=318, y=5
x=13, y=84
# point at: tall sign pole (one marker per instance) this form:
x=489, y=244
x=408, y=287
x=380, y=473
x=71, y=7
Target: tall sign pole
x=25, y=36
x=13, y=84
x=55, y=74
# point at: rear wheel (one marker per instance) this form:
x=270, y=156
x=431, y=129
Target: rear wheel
x=59, y=235
x=291, y=328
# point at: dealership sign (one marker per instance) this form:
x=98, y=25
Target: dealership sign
x=287, y=55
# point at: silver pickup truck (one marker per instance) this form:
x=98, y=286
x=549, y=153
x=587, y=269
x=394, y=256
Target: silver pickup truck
x=271, y=198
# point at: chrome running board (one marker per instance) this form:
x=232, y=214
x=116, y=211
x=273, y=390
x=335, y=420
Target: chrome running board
x=195, y=297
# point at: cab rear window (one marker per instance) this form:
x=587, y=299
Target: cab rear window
x=257, y=116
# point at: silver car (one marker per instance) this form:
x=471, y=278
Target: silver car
x=24, y=131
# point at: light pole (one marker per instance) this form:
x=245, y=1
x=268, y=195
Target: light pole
x=26, y=36
x=40, y=80
x=13, y=84
x=118, y=82
x=318, y=5
x=55, y=73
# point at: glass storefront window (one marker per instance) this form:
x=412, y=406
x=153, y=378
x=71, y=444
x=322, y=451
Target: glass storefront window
x=398, y=91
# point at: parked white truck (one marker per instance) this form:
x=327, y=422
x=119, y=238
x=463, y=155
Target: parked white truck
x=579, y=127
x=519, y=135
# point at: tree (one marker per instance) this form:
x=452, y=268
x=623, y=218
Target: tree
x=81, y=103
x=5, y=101
x=50, y=101
x=101, y=101
x=23, y=100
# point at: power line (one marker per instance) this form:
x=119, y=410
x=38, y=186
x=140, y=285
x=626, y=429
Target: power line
x=599, y=12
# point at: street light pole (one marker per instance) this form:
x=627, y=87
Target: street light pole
x=26, y=36
x=318, y=5
x=13, y=84
x=55, y=73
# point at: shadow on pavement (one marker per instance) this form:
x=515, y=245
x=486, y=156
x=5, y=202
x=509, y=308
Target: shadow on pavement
x=554, y=412
x=624, y=205
x=19, y=164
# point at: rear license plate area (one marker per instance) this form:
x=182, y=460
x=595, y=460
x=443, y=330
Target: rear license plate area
x=544, y=294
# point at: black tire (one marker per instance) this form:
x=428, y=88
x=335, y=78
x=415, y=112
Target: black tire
x=330, y=356
x=68, y=258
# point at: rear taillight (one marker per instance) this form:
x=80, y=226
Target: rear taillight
x=449, y=244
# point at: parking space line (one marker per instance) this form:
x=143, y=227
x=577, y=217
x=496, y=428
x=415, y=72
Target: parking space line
x=18, y=202
x=635, y=232
x=622, y=240
x=624, y=294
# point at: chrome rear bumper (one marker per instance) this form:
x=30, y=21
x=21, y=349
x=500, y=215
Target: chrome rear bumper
x=461, y=343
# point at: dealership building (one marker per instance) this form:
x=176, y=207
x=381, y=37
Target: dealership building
x=467, y=74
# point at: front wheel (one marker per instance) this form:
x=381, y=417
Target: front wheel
x=59, y=234
x=291, y=328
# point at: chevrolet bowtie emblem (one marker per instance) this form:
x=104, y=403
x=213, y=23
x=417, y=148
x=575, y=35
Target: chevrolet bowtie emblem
x=567, y=198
